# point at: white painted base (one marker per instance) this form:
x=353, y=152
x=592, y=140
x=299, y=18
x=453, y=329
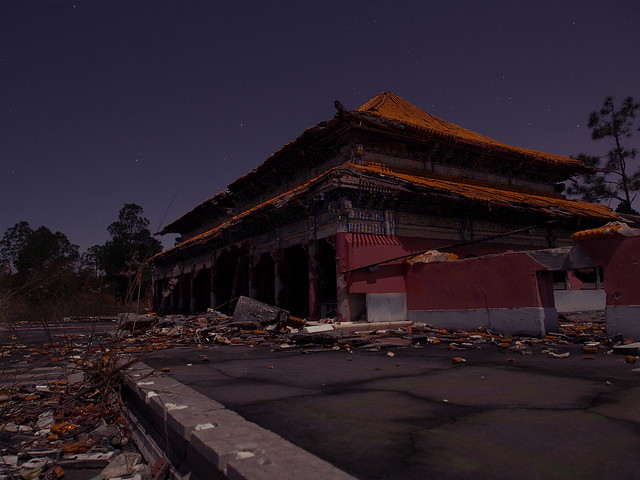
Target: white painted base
x=529, y=321
x=579, y=300
x=386, y=307
x=624, y=320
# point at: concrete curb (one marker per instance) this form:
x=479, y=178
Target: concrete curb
x=202, y=439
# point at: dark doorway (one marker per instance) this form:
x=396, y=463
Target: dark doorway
x=202, y=288
x=185, y=292
x=264, y=277
x=226, y=269
x=295, y=281
x=328, y=287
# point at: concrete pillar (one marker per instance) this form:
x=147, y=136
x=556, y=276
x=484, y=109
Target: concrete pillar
x=253, y=279
x=237, y=275
x=181, y=289
x=192, y=290
x=278, y=256
x=343, y=309
x=172, y=298
x=212, y=291
x=314, y=279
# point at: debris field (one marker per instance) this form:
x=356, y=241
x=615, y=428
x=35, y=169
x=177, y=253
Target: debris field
x=76, y=421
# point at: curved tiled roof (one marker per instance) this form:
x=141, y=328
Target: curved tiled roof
x=554, y=205
x=386, y=110
x=388, y=105
x=464, y=189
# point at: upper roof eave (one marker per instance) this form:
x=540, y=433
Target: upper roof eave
x=389, y=110
x=386, y=110
x=552, y=205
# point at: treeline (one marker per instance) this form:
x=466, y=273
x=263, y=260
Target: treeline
x=43, y=276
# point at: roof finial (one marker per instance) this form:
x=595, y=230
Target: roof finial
x=339, y=107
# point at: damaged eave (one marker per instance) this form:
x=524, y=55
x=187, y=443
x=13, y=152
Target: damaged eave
x=317, y=135
x=270, y=205
x=219, y=205
x=314, y=136
x=384, y=177
x=552, y=205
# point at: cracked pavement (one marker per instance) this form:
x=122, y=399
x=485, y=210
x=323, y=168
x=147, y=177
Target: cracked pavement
x=417, y=414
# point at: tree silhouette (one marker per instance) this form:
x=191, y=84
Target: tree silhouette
x=614, y=181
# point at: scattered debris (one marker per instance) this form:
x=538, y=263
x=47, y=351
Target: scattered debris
x=250, y=310
x=559, y=355
x=125, y=464
x=60, y=405
x=627, y=349
x=75, y=420
x=432, y=256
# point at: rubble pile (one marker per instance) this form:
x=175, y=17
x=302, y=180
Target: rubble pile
x=253, y=324
x=76, y=419
x=49, y=426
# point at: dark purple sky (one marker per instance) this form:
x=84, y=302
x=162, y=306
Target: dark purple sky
x=163, y=103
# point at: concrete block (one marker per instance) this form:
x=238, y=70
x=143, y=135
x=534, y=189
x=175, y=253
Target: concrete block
x=628, y=349
x=250, y=310
x=185, y=420
x=579, y=300
x=182, y=409
x=623, y=319
x=285, y=457
x=386, y=307
x=530, y=321
x=229, y=437
x=317, y=328
x=468, y=319
x=369, y=326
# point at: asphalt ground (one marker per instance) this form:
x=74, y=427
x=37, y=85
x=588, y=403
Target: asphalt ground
x=412, y=413
x=56, y=332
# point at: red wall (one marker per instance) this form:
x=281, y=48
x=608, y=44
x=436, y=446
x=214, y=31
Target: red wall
x=620, y=260
x=499, y=281
x=364, y=249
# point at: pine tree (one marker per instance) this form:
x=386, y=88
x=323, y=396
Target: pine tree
x=614, y=180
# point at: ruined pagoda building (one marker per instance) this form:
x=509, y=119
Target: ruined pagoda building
x=325, y=224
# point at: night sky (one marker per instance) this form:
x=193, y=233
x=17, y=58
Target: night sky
x=163, y=103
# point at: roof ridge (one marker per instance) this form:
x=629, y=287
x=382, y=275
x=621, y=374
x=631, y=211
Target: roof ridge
x=390, y=106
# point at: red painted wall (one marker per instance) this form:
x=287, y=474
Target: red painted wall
x=387, y=279
x=363, y=249
x=620, y=260
x=501, y=281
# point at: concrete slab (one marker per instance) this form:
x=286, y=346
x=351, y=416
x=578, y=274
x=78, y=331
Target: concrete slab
x=192, y=427
x=286, y=459
x=419, y=415
x=528, y=444
x=627, y=349
x=623, y=319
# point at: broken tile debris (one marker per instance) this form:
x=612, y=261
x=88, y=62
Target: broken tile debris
x=75, y=420
x=260, y=324
x=60, y=408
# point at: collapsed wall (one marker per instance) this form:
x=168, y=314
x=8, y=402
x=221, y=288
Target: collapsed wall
x=616, y=247
x=512, y=292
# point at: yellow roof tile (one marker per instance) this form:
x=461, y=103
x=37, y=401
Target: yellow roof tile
x=551, y=204
x=391, y=106
x=466, y=188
